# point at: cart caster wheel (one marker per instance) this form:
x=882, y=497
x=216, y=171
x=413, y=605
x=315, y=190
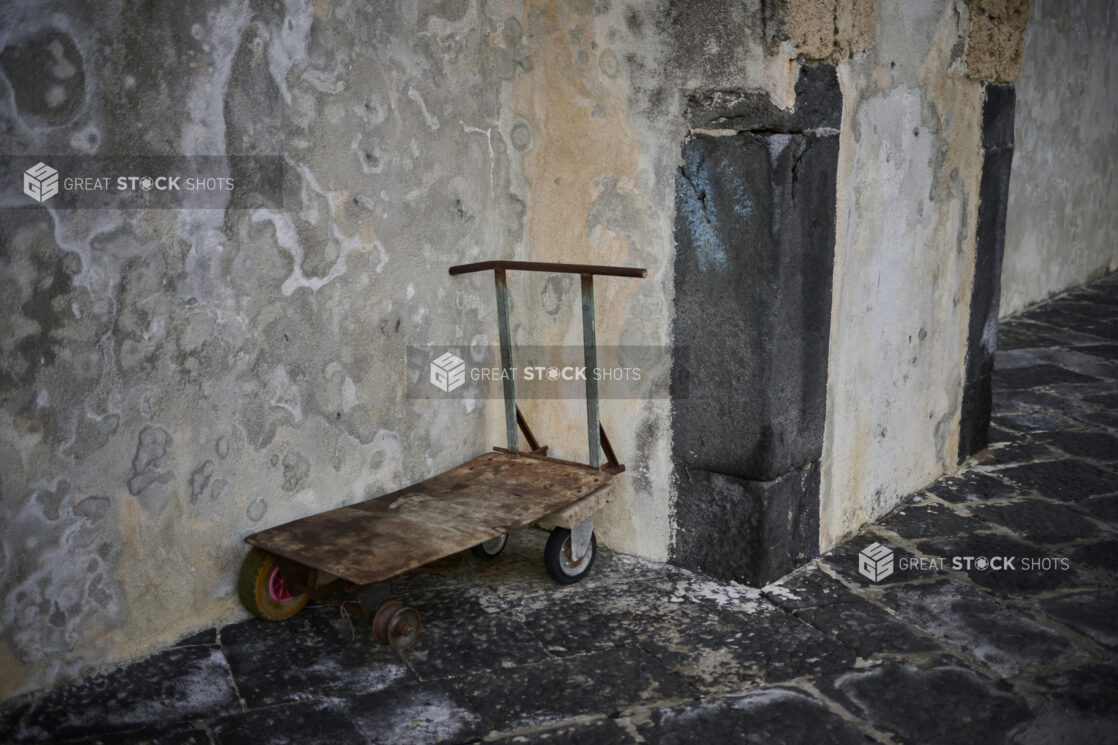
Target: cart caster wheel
x=262, y=591
x=557, y=557
x=396, y=626
x=492, y=548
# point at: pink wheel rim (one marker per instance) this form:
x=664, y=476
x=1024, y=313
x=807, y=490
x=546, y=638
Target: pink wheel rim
x=276, y=587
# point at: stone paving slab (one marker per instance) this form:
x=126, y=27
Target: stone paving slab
x=929, y=520
x=773, y=647
x=1067, y=479
x=1099, y=556
x=302, y=723
x=607, y=682
x=1003, y=638
x=320, y=656
x=169, y=687
x=426, y=712
x=599, y=731
x=1094, y=614
x=974, y=486
x=769, y=715
x=641, y=652
x=151, y=736
x=1040, y=521
x=1007, y=565
x=945, y=704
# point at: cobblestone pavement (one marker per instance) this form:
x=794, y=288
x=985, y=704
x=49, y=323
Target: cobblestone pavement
x=965, y=652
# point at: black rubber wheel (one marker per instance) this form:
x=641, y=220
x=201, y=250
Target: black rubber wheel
x=492, y=548
x=557, y=557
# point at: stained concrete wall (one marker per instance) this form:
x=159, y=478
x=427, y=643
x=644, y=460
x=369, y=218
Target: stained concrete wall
x=1063, y=195
x=909, y=170
x=173, y=380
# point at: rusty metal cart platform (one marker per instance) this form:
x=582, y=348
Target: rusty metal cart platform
x=473, y=506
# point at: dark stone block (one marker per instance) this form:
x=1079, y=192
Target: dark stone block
x=748, y=531
x=776, y=716
x=1035, y=376
x=1032, y=568
x=294, y=724
x=1091, y=613
x=973, y=486
x=982, y=330
x=1039, y=521
x=169, y=687
x=997, y=116
x=426, y=712
x=974, y=419
x=945, y=704
x=594, y=732
x=752, y=298
x=316, y=653
x=1063, y=479
x=755, y=233
x=997, y=635
x=818, y=106
x=535, y=695
x=927, y=520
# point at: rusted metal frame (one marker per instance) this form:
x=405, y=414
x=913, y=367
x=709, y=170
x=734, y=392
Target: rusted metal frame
x=590, y=359
x=607, y=448
x=533, y=445
x=612, y=470
x=505, y=338
x=580, y=539
x=327, y=593
x=544, y=266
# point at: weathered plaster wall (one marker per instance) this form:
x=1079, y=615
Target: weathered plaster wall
x=173, y=380
x=909, y=168
x=1063, y=192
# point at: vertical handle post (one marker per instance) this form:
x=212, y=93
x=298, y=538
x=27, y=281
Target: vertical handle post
x=505, y=339
x=590, y=357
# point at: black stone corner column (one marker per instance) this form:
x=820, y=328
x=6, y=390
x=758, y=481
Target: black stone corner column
x=993, y=199
x=755, y=236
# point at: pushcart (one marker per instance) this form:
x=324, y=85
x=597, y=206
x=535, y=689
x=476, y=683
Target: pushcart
x=473, y=506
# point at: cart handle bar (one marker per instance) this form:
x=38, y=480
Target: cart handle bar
x=544, y=266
